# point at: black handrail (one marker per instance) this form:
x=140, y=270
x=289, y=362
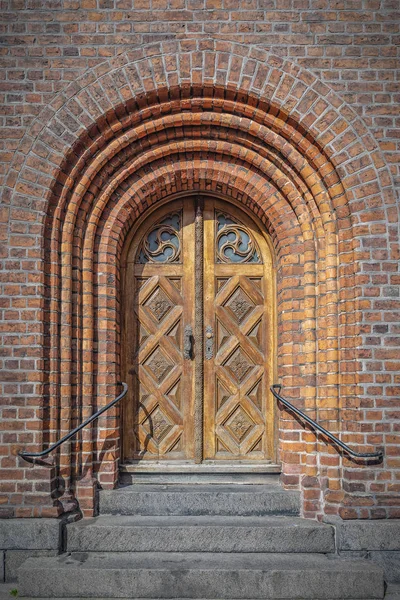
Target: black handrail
x=96, y=415
x=378, y=454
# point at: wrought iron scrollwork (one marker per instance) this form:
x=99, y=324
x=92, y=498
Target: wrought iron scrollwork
x=162, y=244
x=234, y=243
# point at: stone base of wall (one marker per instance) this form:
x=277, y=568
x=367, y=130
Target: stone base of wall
x=387, y=559
x=378, y=541
x=21, y=539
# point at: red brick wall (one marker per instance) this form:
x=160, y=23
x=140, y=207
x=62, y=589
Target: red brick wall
x=212, y=116
x=351, y=45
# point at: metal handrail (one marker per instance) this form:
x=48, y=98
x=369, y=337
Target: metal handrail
x=96, y=415
x=378, y=454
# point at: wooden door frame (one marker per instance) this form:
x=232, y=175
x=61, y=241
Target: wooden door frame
x=273, y=338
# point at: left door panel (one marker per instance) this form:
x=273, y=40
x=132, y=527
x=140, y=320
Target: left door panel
x=158, y=306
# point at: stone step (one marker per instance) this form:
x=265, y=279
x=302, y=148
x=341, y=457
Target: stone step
x=192, y=500
x=208, y=472
x=199, y=534
x=200, y=575
x=388, y=596
x=194, y=478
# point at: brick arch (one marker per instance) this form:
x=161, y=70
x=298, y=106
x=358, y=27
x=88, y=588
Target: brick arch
x=122, y=207
x=212, y=178
x=299, y=157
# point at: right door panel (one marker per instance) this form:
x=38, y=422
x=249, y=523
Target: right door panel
x=238, y=319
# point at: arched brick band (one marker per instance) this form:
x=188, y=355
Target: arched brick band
x=204, y=116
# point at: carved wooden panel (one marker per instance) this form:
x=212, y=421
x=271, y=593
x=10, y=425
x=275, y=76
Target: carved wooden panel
x=238, y=413
x=159, y=292
x=159, y=420
x=239, y=369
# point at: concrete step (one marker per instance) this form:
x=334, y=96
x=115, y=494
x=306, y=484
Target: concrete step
x=192, y=500
x=200, y=575
x=199, y=534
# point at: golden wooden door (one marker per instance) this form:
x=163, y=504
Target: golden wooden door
x=238, y=323
x=198, y=336
x=159, y=303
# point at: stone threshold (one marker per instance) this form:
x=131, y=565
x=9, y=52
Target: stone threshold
x=207, y=467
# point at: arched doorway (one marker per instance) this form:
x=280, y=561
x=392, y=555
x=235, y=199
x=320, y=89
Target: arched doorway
x=198, y=336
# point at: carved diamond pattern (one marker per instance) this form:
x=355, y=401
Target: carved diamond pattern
x=240, y=305
x=238, y=365
x=239, y=424
x=159, y=365
x=159, y=304
x=157, y=425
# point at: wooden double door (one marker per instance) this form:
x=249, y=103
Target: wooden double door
x=198, y=336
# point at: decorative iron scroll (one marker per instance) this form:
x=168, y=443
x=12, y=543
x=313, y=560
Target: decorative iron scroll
x=235, y=243
x=162, y=244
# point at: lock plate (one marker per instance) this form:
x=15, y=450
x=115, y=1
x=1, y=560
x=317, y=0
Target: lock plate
x=209, y=343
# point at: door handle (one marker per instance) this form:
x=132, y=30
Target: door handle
x=188, y=342
x=209, y=345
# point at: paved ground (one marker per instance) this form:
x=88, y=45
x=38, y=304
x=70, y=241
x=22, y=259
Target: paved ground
x=392, y=593
x=5, y=589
